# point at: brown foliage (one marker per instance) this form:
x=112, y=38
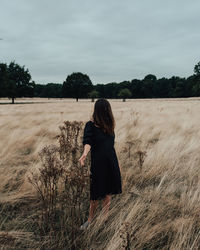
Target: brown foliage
x=62, y=185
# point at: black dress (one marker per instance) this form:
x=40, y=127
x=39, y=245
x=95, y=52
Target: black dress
x=105, y=176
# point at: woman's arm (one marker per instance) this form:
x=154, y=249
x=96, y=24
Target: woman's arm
x=85, y=152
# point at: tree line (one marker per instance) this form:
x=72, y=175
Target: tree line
x=16, y=81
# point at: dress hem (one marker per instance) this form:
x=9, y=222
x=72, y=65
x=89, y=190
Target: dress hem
x=104, y=196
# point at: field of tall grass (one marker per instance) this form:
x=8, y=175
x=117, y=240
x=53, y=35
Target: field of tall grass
x=158, y=147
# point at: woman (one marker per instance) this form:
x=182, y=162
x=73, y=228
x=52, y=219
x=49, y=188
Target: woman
x=105, y=176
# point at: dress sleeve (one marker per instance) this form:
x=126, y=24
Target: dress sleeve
x=88, y=134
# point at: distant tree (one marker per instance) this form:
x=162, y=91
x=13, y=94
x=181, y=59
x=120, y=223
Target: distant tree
x=173, y=83
x=150, y=77
x=136, y=88
x=162, y=88
x=196, y=88
x=19, y=82
x=39, y=90
x=3, y=79
x=100, y=88
x=148, y=84
x=124, y=85
x=111, y=90
x=52, y=90
x=179, y=90
x=197, y=69
x=178, y=87
x=124, y=93
x=93, y=94
x=193, y=83
x=190, y=82
x=77, y=85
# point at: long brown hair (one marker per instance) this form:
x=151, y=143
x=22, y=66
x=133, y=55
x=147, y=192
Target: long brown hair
x=103, y=116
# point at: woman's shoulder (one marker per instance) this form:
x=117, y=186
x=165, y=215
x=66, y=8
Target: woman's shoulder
x=89, y=123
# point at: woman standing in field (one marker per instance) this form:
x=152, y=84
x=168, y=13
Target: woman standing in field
x=105, y=176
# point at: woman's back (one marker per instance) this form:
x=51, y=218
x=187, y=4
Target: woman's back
x=99, y=139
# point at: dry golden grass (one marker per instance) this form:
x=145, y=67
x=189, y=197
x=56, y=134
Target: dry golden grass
x=160, y=200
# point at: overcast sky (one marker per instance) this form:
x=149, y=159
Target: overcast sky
x=110, y=40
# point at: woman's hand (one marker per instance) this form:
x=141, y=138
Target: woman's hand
x=82, y=159
x=85, y=152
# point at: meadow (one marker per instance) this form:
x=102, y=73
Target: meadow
x=158, y=147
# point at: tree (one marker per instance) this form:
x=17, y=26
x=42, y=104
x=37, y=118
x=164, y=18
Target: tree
x=124, y=85
x=194, y=85
x=3, y=79
x=93, y=94
x=197, y=69
x=196, y=88
x=39, y=90
x=77, y=85
x=190, y=83
x=179, y=90
x=52, y=90
x=19, y=82
x=178, y=87
x=150, y=77
x=136, y=88
x=124, y=93
x=162, y=88
x=100, y=88
x=148, y=84
x=111, y=90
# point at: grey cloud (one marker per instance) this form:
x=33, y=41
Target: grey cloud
x=108, y=40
